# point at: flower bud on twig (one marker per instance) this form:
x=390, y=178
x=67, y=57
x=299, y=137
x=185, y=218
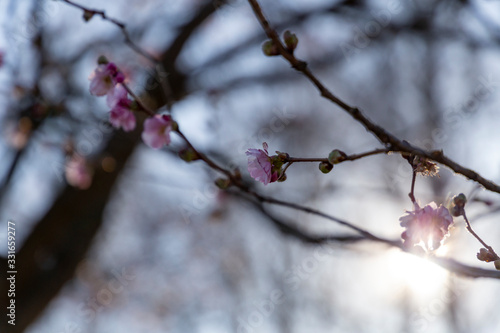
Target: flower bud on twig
x=336, y=156
x=188, y=154
x=282, y=178
x=458, y=205
x=270, y=49
x=291, y=40
x=325, y=167
x=102, y=60
x=222, y=183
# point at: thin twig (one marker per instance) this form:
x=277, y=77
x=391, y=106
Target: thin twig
x=159, y=68
x=390, y=141
x=312, y=211
x=138, y=101
x=352, y=157
x=208, y=161
x=412, y=190
x=473, y=233
x=236, y=182
x=449, y=264
x=120, y=25
x=286, y=167
x=386, y=138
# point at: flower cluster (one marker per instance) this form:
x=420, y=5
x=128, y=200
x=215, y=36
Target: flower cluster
x=264, y=168
x=108, y=80
x=426, y=227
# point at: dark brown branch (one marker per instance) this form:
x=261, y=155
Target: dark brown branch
x=386, y=138
x=447, y=263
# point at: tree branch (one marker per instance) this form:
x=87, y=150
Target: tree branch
x=386, y=138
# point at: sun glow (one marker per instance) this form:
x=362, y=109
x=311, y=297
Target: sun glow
x=420, y=275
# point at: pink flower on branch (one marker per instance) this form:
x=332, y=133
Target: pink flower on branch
x=260, y=165
x=121, y=114
x=426, y=227
x=104, y=78
x=156, y=133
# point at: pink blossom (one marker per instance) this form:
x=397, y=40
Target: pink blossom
x=78, y=173
x=156, y=131
x=104, y=78
x=426, y=226
x=260, y=165
x=121, y=114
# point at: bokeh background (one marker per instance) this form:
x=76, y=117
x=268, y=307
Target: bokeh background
x=154, y=246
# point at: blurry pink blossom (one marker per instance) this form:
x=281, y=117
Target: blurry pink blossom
x=104, y=78
x=427, y=226
x=260, y=165
x=121, y=114
x=156, y=131
x=78, y=173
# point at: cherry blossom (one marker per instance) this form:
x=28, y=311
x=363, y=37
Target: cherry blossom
x=104, y=78
x=156, y=133
x=260, y=165
x=427, y=226
x=121, y=114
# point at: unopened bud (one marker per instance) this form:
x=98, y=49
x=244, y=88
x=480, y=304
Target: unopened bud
x=497, y=264
x=336, y=156
x=270, y=49
x=457, y=208
x=460, y=200
x=325, y=167
x=291, y=40
x=189, y=154
x=102, y=60
x=175, y=126
x=222, y=183
x=282, y=178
